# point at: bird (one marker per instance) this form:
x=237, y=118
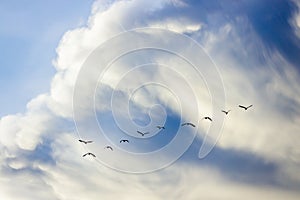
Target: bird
x=226, y=112
x=245, y=107
x=124, y=141
x=188, y=124
x=91, y=154
x=160, y=127
x=85, y=142
x=109, y=147
x=142, y=133
x=208, y=118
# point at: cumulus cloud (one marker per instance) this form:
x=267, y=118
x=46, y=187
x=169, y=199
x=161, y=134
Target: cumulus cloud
x=40, y=145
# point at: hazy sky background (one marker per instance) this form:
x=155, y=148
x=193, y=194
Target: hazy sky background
x=255, y=46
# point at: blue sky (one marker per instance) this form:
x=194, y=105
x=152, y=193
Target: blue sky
x=30, y=32
x=101, y=70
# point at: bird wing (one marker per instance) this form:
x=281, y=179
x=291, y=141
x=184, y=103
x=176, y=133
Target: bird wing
x=140, y=132
x=89, y=141
x=84, y=155
x=249, y=106
x=242, y=106
x=208, y=118
x=191, y=124
x=183, y=124
x=80, y=140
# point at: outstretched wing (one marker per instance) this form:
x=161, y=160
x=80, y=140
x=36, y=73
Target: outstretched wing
x=249, y=106
x=242, y=106
x=226, y=112
x=191, y=124
x=140, y=132
x=108, y=147
x=93, y=155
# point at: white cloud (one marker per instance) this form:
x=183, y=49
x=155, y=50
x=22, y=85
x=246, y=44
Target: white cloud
x=77, y=44
x=180, y=25
x=267, y=130
x=74, y=178
x=24, y=131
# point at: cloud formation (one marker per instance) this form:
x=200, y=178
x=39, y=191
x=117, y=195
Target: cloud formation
x=39, y=148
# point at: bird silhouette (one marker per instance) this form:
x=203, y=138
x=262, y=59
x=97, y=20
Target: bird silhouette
x=90, y=154
x=208, y=118
x=160, y=127
x=226, y=112
x=124, y=141
x=245, y=107
x=85, y=142
x=188, y=124
x=109, y=147
x=142, y=133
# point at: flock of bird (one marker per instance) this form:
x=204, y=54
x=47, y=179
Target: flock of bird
x=159, y=127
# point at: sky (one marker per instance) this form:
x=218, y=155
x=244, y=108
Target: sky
x=29, y=34
x=103, y=70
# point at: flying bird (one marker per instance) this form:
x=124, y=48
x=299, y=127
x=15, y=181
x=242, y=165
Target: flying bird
x=226, y=112
x=188, y=124
x=208, y=118
x=109, y=147
x=245, y=107
x=160, y=127
x=85, y=142
x=90, y=154
x=124, y=141
x=142, y=133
